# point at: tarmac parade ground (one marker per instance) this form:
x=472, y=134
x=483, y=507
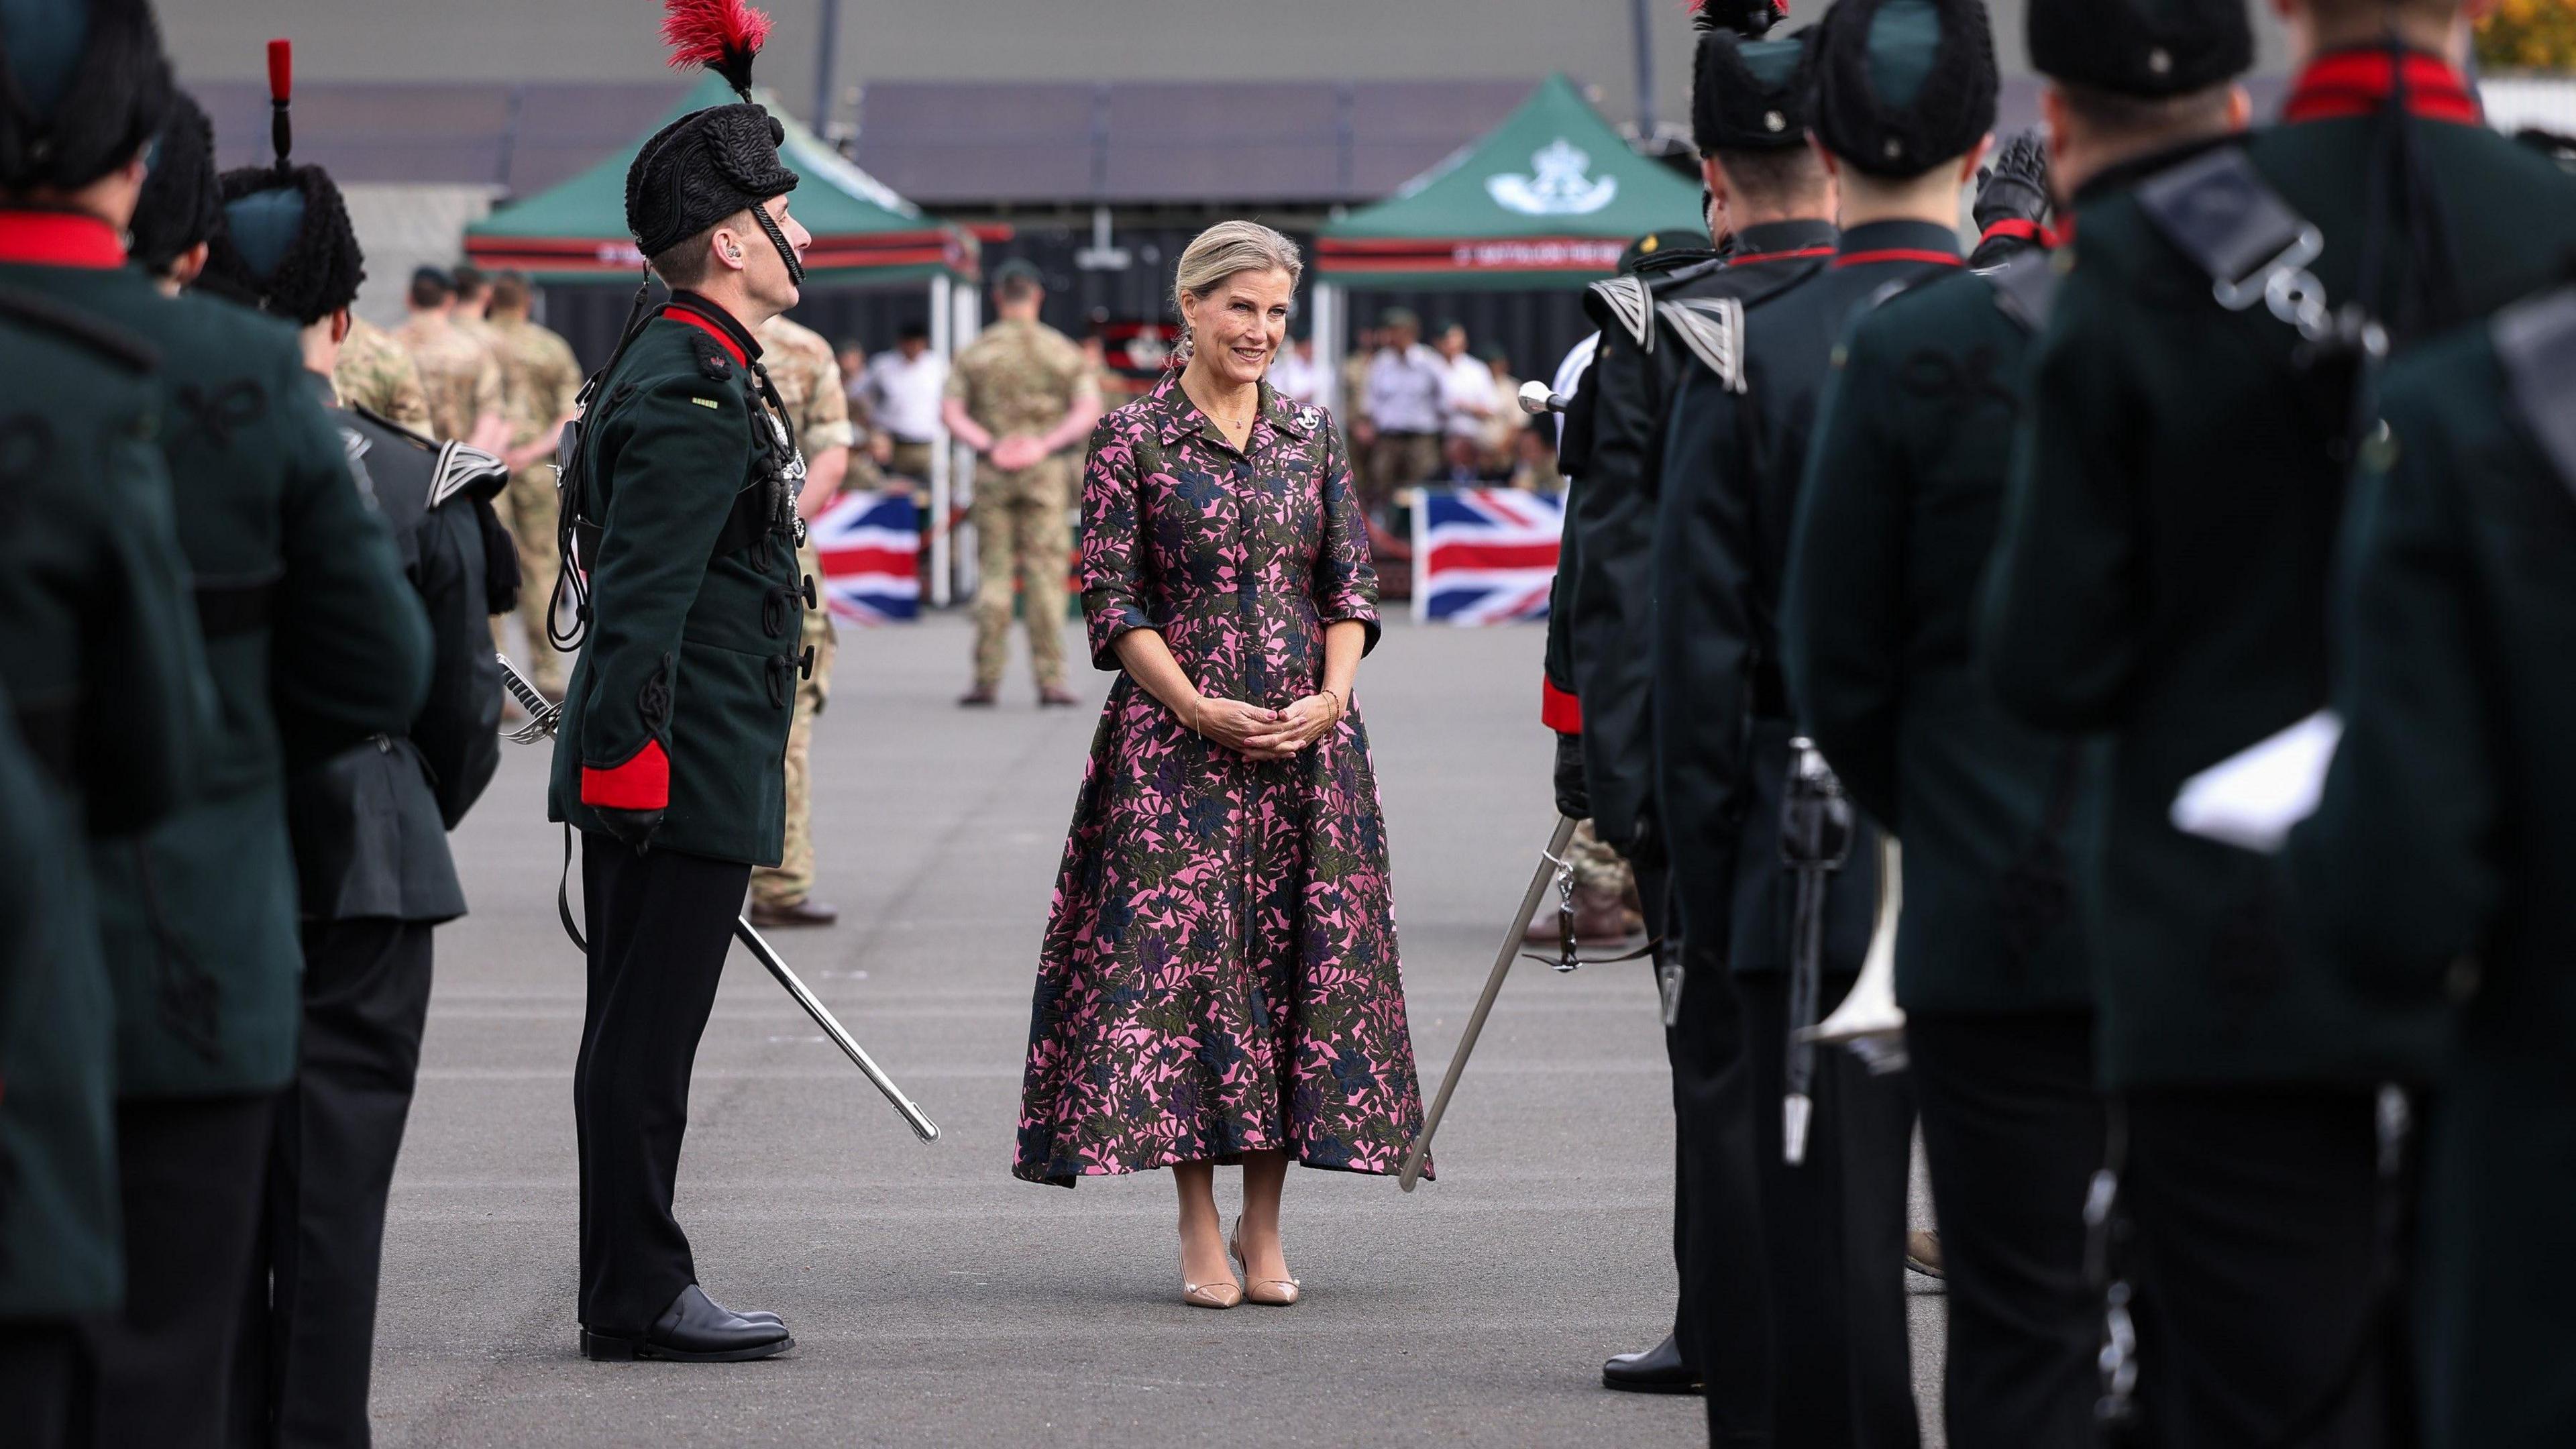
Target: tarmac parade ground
x=934, y=1298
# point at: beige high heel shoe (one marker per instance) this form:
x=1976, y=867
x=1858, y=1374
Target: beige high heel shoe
x=1268, y=1292
x=1223, y=1294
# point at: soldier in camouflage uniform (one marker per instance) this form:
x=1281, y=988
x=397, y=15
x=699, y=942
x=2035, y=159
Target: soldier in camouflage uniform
x=457, y=373
x=808, y=379
x=1019, y=396
x=375, y=373
x=538, y=380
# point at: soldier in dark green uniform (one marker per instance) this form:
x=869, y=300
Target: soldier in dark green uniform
x=671, y=758
x=107, y=703
x=369, y=827
x=2436, y=866
x=313, y=642
x=2162, y=578
x=1904, y=95
x=1898, y=513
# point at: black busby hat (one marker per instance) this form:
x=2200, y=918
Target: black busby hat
x=710, y=164
x=1903, y=85
x=286, y=246
x=181, y=203
x=2149, y=49
x=83, y=86
x=1748, y=93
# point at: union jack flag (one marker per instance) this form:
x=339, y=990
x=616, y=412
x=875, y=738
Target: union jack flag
x=1484, y=555
x=871, y=549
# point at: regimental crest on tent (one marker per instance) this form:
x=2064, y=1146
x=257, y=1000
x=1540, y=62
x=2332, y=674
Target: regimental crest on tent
x=1559, y=183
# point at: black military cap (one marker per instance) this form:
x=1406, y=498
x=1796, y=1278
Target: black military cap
x=1903, y=85
x=1747, y=93
x=1661, y=243
x=1017, y=270
x=434, y=276
x=182, y=204
x=2143, y=48
x=286, y=245
x=83, y=86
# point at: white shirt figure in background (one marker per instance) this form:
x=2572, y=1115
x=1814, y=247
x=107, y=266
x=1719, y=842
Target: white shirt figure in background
x=1466, y=386
x=1296, y=377
x=905, y=385
x=1404, y=380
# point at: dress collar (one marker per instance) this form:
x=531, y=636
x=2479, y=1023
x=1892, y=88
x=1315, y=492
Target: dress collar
x=1779, y=241
x=1176, y=417
x=714, y=321
x=1900, y=241
x=2342, y=84
x=59, y=239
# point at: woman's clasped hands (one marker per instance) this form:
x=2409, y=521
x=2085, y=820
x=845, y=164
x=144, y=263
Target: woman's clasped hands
x=1266, y=734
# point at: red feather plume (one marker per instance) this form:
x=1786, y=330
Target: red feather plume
x=722, y=35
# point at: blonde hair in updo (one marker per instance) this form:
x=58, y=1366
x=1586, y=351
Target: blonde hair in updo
x=1218, y=253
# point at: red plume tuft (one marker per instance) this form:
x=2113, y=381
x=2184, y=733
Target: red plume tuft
x=281, y=70
x=722, y=35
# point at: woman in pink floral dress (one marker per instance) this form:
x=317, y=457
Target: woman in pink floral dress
x=1219, y=981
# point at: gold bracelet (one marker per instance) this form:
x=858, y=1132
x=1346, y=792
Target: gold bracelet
x=1341, y=707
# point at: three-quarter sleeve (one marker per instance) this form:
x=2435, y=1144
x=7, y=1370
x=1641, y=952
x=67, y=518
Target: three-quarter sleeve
x=1345, y=579
x=1113, y=542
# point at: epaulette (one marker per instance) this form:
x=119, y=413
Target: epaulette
x=2535, y=341
x=1673, y=259
x=1631, y=305
x=112, y=343
x=462, y=468
x=1713, y=329
x=417, y=440
x=2026, y=287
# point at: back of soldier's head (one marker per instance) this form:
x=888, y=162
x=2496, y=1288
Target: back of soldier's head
x=2134, y=76
x=84, y=88
x=511, y=294
x=1749, y=109
x=1903, y=88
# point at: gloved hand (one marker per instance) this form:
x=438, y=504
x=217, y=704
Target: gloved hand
x=631, y=827
x=2014, y=185
x=1573, y=797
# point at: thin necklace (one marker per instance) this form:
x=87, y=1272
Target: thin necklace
x=1244, y=421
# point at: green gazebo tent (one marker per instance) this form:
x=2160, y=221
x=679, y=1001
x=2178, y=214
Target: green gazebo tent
x=864, y=234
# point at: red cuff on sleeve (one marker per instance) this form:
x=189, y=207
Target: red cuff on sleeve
x=642, y=783
x=2021, y=229
x=1557, y=709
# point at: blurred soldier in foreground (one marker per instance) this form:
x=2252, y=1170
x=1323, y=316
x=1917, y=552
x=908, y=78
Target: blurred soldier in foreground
x=2436, y=864
x=538, y=380
x=102, y=677
x=1019, y=397
x=369, y=828
x=668, y=759
x=808, y=380
x=375, y=373
x=1898, y=514
x=457, y=371
x=2163, y=579
x=313, y=643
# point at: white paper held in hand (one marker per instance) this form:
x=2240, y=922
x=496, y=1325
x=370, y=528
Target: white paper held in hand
x=2252, y=798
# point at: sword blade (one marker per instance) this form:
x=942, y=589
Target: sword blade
x=913, y=1116
x=543, y=714
x=1556, y=843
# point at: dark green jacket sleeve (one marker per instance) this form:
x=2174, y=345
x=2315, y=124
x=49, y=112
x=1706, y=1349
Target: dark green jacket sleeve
x=146, y=695
x=677, y=470
x=458, y=731
x=1611, y=516
x=2065, y=604
x=352, y=646
x=2398, y=869
x=1843, y=609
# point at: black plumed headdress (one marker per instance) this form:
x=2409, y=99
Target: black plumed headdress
x=709, y=164
x=1751, y=95
x=1751, y=19
x=1902, y=86
x=286, y=246
x=181, y=203
x=2149, y=49
x=83, y=86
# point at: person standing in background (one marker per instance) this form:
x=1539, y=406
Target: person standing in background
x=1404, y=391
x=1500, y=436
x=1466, y=393
x=375, y=372
x=808, y=380
x=473, y=302
x=1019, y=397
x=1295, y=376
x=457, y=373
x=539, y=378
x=1357, y=429
x=903, y=391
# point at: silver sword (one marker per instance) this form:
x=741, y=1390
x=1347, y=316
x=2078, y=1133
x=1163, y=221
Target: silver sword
x=543, y=716
x=1548, y=863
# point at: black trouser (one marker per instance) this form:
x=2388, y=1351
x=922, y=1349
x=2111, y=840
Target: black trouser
x=309, y=1324
x=42, y=1404
x=1833, y=1235
x=2012, y=1131
x=660, y=923
x=188, y=1172
x=2259, y=1260
x=1654, y=885
x=1725, y=1296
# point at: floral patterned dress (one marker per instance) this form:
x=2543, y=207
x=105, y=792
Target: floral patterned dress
x=1219, y=974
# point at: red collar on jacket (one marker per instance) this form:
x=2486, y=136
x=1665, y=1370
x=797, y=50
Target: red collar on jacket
x=2347, y=83
x=59, y=239
x=717, y=323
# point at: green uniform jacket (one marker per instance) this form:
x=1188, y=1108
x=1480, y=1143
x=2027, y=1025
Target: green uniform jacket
x=683, y=695
x=315, y=642
x=1733, y=460
x=2162, y=578
x=1895, y=522
x=109, y=699
x=2438, y=862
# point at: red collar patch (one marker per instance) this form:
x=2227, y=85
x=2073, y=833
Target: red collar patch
x=708, y=325
x=1897, y=254
x=2350, y=83
x=59, y=239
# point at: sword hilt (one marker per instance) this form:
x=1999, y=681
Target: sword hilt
x=543, y=714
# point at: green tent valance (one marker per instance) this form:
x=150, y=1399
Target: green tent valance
x=1547, y=198
x=863, y=233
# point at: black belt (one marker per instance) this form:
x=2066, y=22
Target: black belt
x=51, y=729
x=226, y=609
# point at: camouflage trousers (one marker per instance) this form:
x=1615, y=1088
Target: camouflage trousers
x=527, y=509
x=1023, y=542
x=792, y=879
x=1596, y=864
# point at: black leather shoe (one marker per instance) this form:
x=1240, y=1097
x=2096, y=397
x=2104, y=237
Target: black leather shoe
x=1659, y=1370
x=750, y=1315
x=694, y=1330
